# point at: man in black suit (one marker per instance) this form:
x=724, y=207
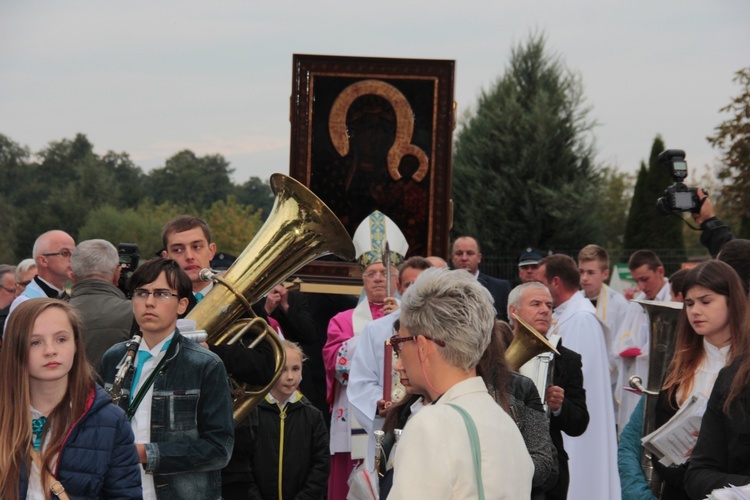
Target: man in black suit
x=467, y=255
x=566, y=397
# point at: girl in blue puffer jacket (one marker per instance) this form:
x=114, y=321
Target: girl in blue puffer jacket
x=58, y=429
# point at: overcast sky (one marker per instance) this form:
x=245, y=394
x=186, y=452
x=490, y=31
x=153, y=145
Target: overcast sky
x=153, y=78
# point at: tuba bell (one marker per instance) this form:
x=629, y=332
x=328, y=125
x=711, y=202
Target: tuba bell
x=662, y=318
x=526, y=344
x=299, y=229
x=529, y=344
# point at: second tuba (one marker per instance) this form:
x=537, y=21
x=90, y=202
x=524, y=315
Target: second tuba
x=299, y=229
x=662, y=318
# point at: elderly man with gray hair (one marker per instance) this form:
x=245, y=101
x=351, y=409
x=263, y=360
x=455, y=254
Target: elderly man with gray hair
x=7, y=291
x=107, y=315
x=463, y=445
x=25, y=272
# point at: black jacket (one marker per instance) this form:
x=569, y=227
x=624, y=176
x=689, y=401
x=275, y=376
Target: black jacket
x=715, y=234
x=298, y=325
x=499, y=289
x=305, y=460
x=722, y=454
x=574, y=416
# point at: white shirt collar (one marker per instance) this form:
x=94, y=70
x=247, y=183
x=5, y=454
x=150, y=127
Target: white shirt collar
x=290, y=399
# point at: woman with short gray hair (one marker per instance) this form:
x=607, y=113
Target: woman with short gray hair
x=455, y=309
x=463, y=445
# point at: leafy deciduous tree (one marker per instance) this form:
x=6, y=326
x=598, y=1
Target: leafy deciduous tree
x=233, y=225
x=189, y=180
x=732, y=137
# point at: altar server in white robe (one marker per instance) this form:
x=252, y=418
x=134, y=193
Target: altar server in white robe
x=366, y=376
x=593, y=455
x=632, y=343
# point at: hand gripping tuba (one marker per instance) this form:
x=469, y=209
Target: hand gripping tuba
x=299, y=229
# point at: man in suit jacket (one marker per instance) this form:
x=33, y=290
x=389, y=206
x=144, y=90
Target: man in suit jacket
x=467, y=255
x=566, y=398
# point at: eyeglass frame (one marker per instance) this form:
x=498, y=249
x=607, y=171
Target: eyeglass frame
x=371, y=275
x=142, y=295
x=9, y=290
x=65, y=253
x=395, y=341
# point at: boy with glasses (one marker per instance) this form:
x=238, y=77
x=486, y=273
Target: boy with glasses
x=177, y=396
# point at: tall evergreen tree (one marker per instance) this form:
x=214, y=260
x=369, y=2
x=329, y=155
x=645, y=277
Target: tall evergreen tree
x=524, y=171
x=640, y=205
x=647, y=227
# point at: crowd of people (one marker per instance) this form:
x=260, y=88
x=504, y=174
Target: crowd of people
x=405, y=393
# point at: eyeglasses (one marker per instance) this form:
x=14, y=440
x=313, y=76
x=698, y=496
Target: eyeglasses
x=9, y=290
x=63, y=253
x=396, y=342
x=380, y=274
x=23, y=283
x=141, y=294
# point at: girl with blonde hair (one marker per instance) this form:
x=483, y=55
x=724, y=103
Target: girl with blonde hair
x=59, y=431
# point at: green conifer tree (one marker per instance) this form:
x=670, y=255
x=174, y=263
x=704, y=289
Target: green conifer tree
x=647, y=227
x=524, y=171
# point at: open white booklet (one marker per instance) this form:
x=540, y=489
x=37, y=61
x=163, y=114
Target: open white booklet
x=673, y=442
x=731, y=493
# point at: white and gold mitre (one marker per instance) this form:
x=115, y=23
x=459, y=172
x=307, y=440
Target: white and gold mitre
x=370, y=236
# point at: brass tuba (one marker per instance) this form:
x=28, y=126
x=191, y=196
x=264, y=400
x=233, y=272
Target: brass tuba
x=299, y=229
x=662, y=318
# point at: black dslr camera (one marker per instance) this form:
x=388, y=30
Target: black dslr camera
x=678, y=197
x=129, y=257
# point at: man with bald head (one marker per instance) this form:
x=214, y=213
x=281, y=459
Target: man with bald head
x=52, y=251
x=467, y=255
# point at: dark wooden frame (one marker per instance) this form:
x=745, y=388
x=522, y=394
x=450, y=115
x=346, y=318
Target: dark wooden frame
x=425, y=97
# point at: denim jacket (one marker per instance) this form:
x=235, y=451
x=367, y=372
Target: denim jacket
x=192, y=431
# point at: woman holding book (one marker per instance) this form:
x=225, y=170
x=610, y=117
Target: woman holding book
x=707, y=339
x=721, y=456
